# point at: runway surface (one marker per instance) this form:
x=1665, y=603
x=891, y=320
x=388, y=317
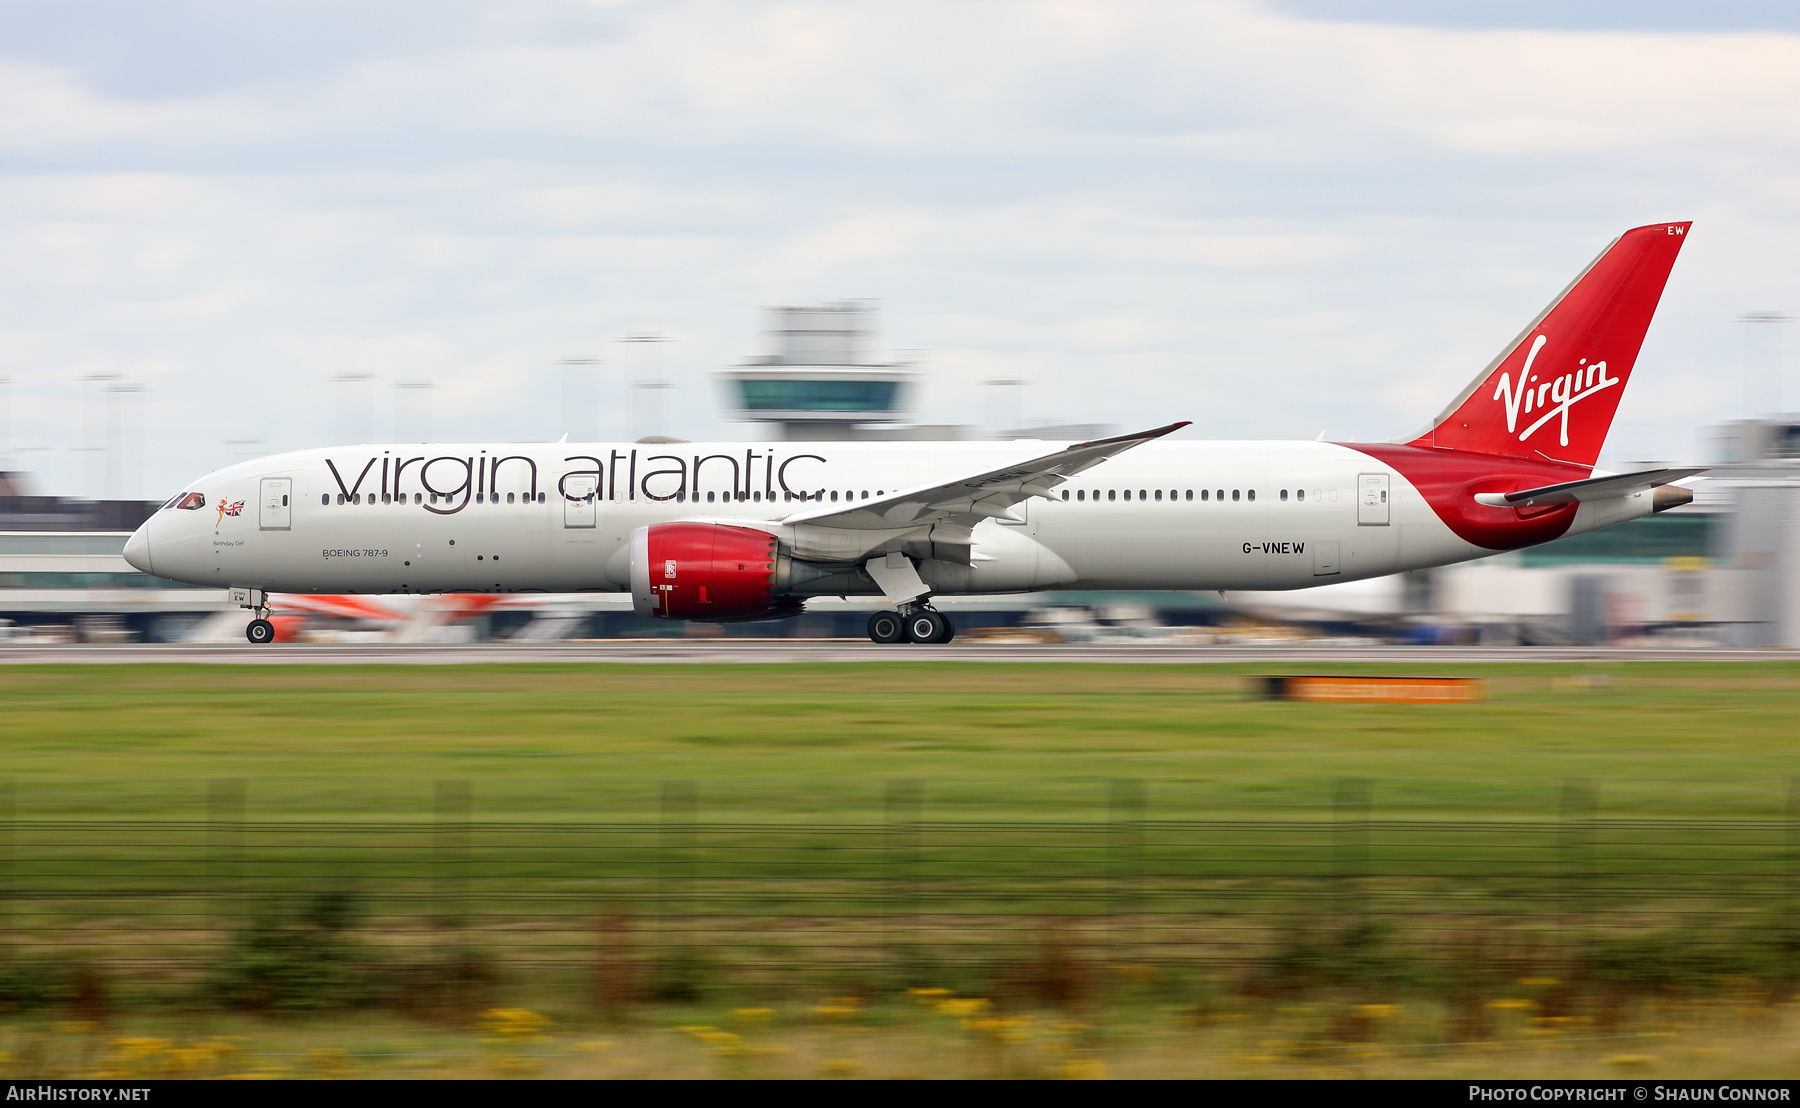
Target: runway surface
x=772, y=651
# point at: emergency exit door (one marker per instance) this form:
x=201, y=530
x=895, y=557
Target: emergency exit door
x=1372, y=500
x=275, y=512
x=581, y=506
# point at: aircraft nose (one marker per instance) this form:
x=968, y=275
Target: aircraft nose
x=137, y=549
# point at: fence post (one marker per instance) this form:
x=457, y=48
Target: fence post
x=1791, y=863
x=900, y=849
x=1125, y=868
x=1576, y=846
x=8, y=911
x=451, y=813
x=1350, y=845
x=675, y=870
x=224, y=851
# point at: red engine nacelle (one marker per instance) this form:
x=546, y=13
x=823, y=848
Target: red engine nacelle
x=707, y=571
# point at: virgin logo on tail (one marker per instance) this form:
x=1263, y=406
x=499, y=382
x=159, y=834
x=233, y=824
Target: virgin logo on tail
x=1564, y=392
x=1604, y=313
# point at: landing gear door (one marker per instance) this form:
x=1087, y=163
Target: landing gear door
x=581, y=502
x=1371, y=500
x=275, y=510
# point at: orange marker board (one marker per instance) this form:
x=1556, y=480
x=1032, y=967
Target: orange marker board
x=1377, y=690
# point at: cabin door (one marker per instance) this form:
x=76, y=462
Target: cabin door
x=275, y=511
x=1372, y=500
x=581, y=501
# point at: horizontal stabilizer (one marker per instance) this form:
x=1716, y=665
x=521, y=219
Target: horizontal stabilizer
x=1594, y=488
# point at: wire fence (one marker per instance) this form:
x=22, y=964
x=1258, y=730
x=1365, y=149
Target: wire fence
x=626, y=891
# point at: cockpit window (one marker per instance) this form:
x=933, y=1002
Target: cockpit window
x=173, y=500
x=192, y=502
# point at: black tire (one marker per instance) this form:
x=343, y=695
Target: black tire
x=260, y=631
x=925, y=627
x=949, y=630
x=886, y=627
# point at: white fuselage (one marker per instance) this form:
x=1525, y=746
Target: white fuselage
x=514, y=518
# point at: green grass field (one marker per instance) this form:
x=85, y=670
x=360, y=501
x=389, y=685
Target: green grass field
x=1149, y=840
x=1686, y=724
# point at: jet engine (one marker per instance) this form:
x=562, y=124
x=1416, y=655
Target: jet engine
x=711, y=572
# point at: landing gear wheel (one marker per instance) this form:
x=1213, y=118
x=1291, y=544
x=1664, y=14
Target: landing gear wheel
x=927, y=626
x=886, y=627
x=260, y=631
x=949, y=629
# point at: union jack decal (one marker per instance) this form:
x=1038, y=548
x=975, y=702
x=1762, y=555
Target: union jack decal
x=234, y=508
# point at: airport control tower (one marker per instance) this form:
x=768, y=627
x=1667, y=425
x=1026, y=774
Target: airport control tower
x=822, y=382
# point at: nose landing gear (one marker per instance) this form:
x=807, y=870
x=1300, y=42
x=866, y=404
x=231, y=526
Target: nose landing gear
x=259, y=630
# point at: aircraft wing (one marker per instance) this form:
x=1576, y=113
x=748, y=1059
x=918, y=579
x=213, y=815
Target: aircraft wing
x=968, y=500
x=1594, y=488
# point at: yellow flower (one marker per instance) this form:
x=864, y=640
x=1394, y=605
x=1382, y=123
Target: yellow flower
x=513, y=1024
x=1632, y=1061
x=1084, y=1069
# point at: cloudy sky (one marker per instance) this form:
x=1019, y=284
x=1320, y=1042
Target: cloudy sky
x=1273, y=219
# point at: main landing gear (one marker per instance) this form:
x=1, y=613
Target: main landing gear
x=920, y=625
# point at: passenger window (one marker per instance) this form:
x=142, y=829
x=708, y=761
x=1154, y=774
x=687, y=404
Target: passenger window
x=1300, y=495
x=1080, y=494
x=709, y=497
x=1205, y=494
x=757, y=496
x=1315, y=494
x=1190, y=494
x=1141, y=495
x=834, y=496
x=1234, y=496
x=192, y=502
x=865, y=494
x=1221, y=496
x=1065, y=493
x=540, y=499
x=1112, y=494
x=1159, y=494
x=1252, y=495
x=1284, y=495
x=324, y=500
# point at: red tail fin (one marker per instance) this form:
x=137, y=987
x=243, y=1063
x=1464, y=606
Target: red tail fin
x=1553, y=391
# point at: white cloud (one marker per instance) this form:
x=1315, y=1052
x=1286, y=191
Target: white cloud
x=1146, y=209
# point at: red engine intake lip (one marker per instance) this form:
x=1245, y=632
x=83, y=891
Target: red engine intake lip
x=703, y=571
